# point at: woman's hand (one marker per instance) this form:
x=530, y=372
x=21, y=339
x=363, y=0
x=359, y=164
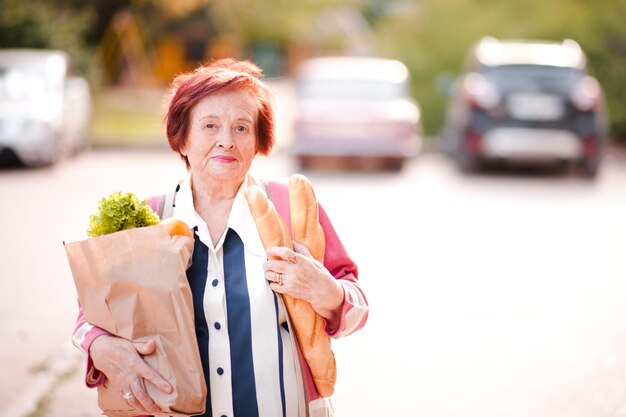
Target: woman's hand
x=299, y=275
x=121, y=361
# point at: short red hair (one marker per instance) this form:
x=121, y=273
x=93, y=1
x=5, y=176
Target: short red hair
x=225, y=74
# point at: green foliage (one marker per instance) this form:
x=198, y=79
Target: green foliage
x=120, y=211
x=604, y=40
x=433, y=37
x=41, y=25
x=269, y=20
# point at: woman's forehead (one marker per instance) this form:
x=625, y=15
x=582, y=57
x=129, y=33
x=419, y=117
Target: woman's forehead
x=227, y=103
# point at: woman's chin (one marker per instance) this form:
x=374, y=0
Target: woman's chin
x=225, y=171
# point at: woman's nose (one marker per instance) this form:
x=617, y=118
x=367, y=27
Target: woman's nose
x=226, y=139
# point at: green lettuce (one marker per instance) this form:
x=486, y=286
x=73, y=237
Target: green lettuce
x=120, y=211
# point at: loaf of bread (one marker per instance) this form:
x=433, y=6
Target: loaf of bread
x=270, y=225
x=303, y=208
x=308, y=325
x=314, y=340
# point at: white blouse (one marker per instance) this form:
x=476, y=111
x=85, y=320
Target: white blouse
x=251, y=361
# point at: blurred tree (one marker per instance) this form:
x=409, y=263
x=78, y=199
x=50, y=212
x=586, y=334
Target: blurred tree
x=433, y=37
x=123, y=53
x=117, y=36
x=39, y=24
x=270, y=28
x=101, y=12
x=605, y=44
x=269, y=20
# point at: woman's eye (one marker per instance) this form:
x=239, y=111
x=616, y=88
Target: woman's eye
x=241, y=129
x=209, y=125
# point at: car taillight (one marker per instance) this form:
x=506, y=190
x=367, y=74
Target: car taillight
x=586, y=94
x=480, y=92
x=590, y=145
x=473, y=141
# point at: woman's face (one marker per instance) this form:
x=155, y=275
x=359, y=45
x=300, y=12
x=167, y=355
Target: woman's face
x=221, y=143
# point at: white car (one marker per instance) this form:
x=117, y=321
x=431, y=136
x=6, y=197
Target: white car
x=44, y=114
x=355, y=108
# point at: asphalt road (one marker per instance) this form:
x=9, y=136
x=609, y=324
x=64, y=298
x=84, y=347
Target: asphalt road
x=499, y=294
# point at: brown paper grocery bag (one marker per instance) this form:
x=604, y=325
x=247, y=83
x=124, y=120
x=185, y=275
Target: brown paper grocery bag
x=133, y=284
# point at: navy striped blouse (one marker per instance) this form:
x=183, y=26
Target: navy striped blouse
x=247, y=355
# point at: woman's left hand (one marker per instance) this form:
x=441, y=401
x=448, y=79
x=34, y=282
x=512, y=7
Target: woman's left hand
x=298, y=274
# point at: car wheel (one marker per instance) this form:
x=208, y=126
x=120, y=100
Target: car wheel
x=468, y=163
x=80, y=142
x=59, y=152
x=394, y=164
x=305, y=162
x=589, y=168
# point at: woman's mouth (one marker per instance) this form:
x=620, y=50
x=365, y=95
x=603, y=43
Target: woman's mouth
x=224, y=159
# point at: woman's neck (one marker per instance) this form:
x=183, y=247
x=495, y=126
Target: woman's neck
x=210, y=192
x=213, y=202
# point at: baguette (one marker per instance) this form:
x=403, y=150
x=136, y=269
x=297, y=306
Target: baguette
x=310, y=328
x=314, y=341
x=271, y=227
x=305, y=226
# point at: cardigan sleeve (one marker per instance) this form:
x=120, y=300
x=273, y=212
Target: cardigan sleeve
x=355, y=309
x=83, y=336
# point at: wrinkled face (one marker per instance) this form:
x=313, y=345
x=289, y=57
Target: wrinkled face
x=221, y=143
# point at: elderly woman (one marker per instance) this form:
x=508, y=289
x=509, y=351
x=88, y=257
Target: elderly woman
x=219, y=119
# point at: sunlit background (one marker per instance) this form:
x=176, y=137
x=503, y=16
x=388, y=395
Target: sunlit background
x=484, y=203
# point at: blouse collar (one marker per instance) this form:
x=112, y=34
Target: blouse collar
x=240, y=218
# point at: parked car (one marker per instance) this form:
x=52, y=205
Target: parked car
x=527, y=102
x=355, y=108
x=44, y=113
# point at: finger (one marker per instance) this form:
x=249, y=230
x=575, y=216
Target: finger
x=132, y=400
x=146, y=371
x=139, y=391
x=301, y=249
x=153, y=377
x=270, y=276
x=275, y=277
x=145, y=348
x=281, y=252
x=278, y=288
x=270, y=264
x=276, y=265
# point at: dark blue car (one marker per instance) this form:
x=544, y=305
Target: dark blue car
x=527, y=102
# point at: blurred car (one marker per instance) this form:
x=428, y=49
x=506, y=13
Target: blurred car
x=527, y=102
x=356, y=108
x=44, y=113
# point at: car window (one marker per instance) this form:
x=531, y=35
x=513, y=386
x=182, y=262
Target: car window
x=354, y=89
x=23, y=83
x=530, y=77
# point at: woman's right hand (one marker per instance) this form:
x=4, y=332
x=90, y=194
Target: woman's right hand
x=122, y=363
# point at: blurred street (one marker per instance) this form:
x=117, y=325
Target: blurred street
x=491, y=295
